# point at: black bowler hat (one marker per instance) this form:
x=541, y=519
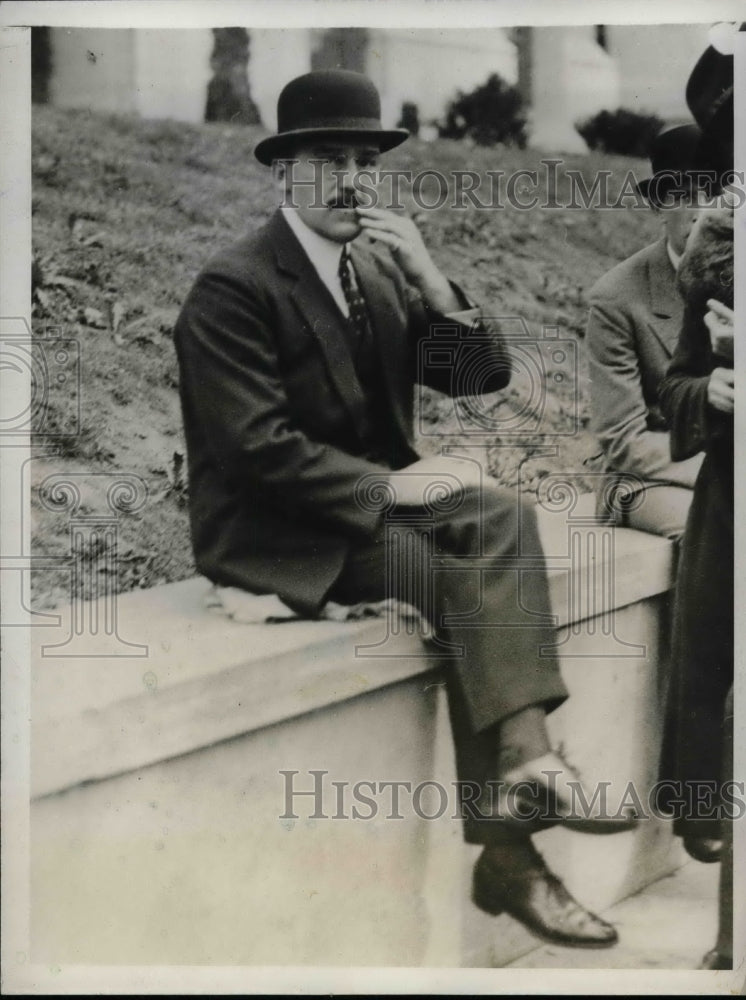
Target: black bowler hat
x=709, y=92
x=333, y=103
x=675, y=152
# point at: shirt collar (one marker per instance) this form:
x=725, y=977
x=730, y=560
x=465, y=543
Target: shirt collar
x=674, y=257
x=324, y=254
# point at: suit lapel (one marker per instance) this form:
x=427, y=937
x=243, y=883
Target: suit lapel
x=666, y=304
x=317, y=306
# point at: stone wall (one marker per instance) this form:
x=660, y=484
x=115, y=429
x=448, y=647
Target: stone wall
x=161, y=828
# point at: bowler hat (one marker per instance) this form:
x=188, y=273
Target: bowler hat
x=709, y=89
x=709, y=92
x=333, y=103
x=675, y=152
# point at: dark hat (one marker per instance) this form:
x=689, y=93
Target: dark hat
x=709, y=93
x=675, y=152
x=332, y=103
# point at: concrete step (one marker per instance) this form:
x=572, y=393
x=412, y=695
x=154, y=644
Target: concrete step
x=669, y=925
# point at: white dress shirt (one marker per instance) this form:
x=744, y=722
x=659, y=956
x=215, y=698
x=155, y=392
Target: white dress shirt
x=324, y=254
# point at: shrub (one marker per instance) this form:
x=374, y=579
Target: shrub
x=622, y=131
x=228, y=92
x=491, y=113
x=410, y=117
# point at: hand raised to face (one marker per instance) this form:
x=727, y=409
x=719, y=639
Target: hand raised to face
x=720, y=321
x=402, y=236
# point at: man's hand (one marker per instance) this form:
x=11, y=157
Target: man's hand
x=401, y=234
x=720, y=392
x=720, y=321
x=449, y=474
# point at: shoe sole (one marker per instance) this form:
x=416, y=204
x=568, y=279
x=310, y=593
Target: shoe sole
x=597, y=827
x=496, y=911
x=581, y=824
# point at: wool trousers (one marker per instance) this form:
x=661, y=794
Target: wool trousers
x=473, y=565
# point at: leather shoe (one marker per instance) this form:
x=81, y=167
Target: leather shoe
x=547, y=790
x=704, y=849
x=532, y=894
x=714, y=960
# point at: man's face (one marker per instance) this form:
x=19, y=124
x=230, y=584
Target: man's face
x=680, y=217
x=321, y=181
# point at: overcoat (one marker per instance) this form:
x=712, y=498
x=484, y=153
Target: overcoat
x=702, y=641
x=275, y=417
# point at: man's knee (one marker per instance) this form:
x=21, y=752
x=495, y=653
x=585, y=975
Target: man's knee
x=660, y=510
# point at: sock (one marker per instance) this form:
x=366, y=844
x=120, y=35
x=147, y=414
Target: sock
x=510, y=850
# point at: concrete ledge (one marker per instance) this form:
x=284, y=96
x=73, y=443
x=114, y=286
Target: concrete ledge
x=201, y=683
x=159, y=829
x=205, y=679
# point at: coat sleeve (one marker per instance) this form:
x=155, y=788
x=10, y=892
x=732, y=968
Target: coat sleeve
x=694, y=423
x=479, y=357
x=619, y=412
x=231, y=384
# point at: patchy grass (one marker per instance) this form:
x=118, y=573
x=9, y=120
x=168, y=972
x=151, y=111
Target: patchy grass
x=126, y=211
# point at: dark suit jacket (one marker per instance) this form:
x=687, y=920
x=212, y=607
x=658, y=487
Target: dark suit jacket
x=633, y=326
x=273, y=410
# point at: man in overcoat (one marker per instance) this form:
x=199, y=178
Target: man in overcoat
x=299, y=348
x=698, y=397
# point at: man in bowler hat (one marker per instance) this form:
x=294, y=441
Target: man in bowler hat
x=298, y=350
x=635, y=316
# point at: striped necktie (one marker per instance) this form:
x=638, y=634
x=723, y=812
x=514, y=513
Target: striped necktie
x=359, y=319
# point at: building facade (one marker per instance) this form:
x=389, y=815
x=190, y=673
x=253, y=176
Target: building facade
x=565, y=73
